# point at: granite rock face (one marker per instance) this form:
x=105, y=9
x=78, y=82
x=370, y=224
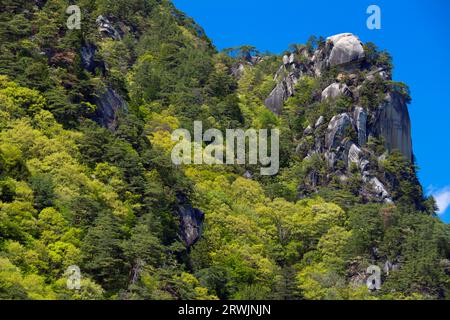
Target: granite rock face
x=380, y=189
x=106, y=28
x=191, y=225
x=394, y=125
x=337, y=130
x=346, y=48
x=319, y=122
x=354, y=154
x=191, y=221
x=360, y=117
x=287, y=77
x=340, y=50
x=335, y=90
x=277, y=97
x=238, y=70
x=88, y=60
x=109, y=104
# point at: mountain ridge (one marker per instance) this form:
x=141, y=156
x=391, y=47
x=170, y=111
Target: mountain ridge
x=389, y=121
x=86, y=177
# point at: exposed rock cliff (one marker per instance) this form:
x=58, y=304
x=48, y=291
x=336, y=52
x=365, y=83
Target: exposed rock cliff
x=286, y=77
x=108, y=102
x=347, y=133
x=191, y=221
x=344, y=51
x=346, y=48
x=106, y=28
x=393, y=124
x=335, y=90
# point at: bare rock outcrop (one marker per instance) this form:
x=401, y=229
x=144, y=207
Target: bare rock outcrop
x=360, y=116
x=277, y=97
x=287, y=77
x=340, y=50
x=109, y=105
x=337, y=129
x=108, y=102
x=342, y=140
x=394, y=125
x=106, y=28
x=191, y=221
x=346, y=48
x=336, y=90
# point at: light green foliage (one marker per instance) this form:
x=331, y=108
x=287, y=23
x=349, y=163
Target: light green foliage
x=75, y=193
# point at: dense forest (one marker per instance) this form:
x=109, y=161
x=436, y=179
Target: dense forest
x=86, y=176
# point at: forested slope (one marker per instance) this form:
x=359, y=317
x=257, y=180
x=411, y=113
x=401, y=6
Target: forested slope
x=86, y=176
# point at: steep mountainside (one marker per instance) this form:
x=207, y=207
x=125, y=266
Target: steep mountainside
x=87, y=180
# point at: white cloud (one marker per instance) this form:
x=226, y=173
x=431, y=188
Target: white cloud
x=442, y=197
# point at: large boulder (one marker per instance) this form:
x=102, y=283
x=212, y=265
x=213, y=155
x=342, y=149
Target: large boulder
x=346, y=48
x=394, y=125
x=287, y=78
x=336, y=90
x=291, y=81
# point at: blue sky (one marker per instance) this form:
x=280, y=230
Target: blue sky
x=415, y=32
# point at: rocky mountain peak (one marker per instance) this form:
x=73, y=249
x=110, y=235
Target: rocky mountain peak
x=346, y=48
x=347, y=76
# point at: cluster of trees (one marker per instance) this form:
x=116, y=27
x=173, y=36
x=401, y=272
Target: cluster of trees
x=75, y=193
